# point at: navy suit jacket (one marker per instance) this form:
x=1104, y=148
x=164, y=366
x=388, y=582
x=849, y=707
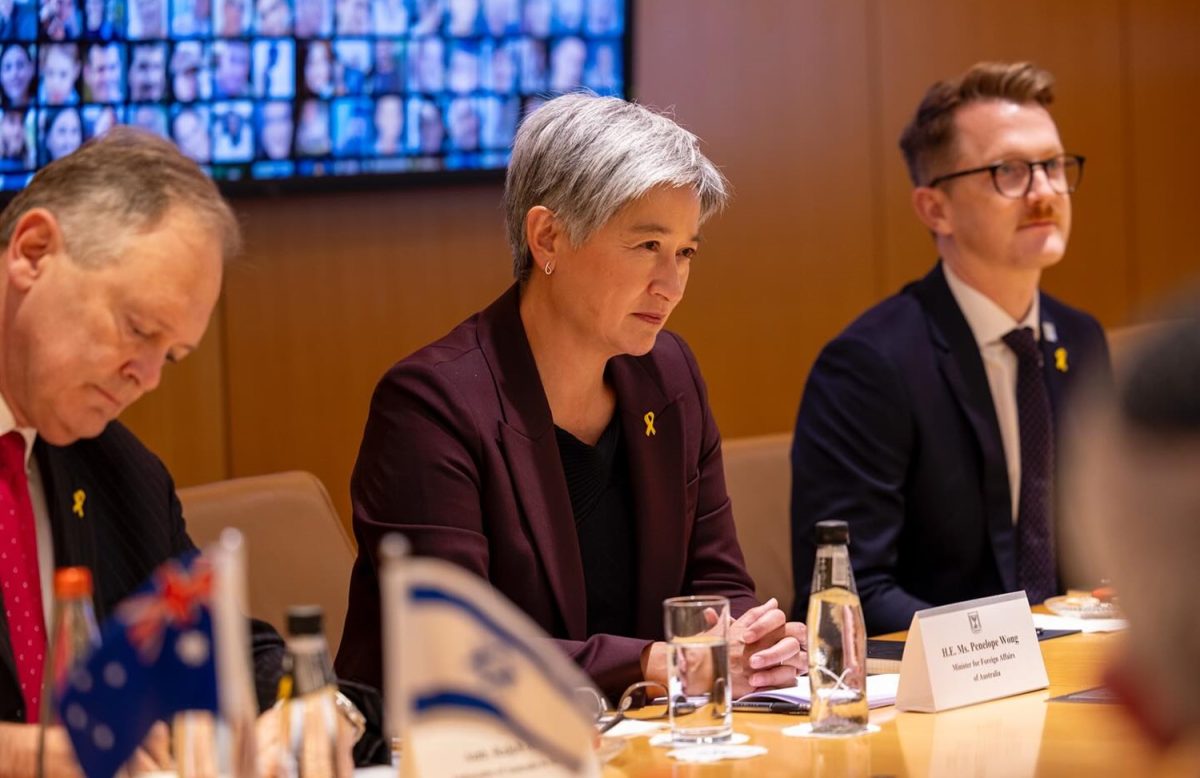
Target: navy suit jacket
x=897, y=434
x=459, y=455
x=132, y=523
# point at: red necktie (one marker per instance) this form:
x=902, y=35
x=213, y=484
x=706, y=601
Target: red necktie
x=19, y=572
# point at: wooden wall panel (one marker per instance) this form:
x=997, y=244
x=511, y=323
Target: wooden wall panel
x=777, y=90
x=1079, y=41
x=800, y=102
x=1163, y=149
x=184, y=420
x=334, y=289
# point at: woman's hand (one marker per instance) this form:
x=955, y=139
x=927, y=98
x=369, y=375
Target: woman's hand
x=765, y=649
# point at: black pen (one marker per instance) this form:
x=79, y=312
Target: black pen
x=766, y=706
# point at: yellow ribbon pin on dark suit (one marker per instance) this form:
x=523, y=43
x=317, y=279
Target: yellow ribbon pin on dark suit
x=78, y=507
x=1060, y=359
x=649, y=419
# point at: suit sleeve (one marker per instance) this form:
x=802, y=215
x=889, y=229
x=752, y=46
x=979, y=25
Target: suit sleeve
x=850, y=457
x=414, y=475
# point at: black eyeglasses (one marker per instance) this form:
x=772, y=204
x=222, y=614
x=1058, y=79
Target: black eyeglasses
x=1014, y=177
x=640, y=702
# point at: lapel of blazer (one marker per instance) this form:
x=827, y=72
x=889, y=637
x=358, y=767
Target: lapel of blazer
x=1056, y=364
x=962, y=367
x=531, y=451
x=657, y=475
x=74, y=535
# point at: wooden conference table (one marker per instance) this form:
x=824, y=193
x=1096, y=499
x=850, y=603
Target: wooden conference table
x=1016, y=736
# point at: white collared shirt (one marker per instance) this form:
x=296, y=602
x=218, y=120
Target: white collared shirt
x=41, y=514
x=989, y=324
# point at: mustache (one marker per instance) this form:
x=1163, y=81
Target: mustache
x=1042, y=211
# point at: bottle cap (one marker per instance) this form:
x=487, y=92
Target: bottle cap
x=72, y=582
x=304, y=620
x=832, y=532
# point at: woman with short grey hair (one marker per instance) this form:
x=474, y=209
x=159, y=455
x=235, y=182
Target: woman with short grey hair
x=584, y=157
x=559, y=443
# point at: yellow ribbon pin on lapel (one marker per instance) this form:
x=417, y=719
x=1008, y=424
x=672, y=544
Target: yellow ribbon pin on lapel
x=79, y=498
x=649, y=419
x=1060, y=359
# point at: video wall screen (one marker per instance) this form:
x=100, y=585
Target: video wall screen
x=288, y=90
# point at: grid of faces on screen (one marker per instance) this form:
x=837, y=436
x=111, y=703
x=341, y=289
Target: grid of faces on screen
x=264, y=89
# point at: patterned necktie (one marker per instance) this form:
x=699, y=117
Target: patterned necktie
x=19, y=573
x=1035, y=525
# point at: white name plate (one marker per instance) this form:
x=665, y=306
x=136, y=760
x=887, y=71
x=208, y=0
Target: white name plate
x=459, y=748
x=970, y=652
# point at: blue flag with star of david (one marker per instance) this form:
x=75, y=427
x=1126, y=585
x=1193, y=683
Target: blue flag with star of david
x=469, y=673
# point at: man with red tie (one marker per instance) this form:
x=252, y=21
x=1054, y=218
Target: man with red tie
x=112, y=265
x=930, y=423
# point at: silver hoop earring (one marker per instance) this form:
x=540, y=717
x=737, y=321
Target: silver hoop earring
x=549, y=268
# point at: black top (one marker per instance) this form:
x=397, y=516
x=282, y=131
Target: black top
x=601, y=500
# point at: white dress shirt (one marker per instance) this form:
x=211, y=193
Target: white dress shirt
x=41, y=514
x=989, y=324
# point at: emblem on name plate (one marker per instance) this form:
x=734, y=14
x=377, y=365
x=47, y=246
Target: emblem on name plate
x=976, y=625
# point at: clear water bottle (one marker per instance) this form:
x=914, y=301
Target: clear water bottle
x=73, y=636
x=837, y=637
x=309, y=693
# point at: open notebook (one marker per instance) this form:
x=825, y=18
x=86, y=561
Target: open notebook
x=881, y=691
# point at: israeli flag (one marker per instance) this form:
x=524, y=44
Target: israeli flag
x=473, y=685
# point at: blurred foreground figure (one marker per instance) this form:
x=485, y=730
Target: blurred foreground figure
x=1139, y=489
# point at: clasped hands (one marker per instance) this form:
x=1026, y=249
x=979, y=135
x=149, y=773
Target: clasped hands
x=766, y=651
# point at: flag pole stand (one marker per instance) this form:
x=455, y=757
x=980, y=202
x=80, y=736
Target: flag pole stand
x=394, y=552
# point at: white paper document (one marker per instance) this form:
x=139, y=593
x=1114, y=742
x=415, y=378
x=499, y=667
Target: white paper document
x=881, y=691
x=635, y=728
x=1047, y=621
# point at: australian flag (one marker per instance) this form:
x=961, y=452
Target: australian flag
x=156, y=658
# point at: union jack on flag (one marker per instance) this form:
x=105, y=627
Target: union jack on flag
x=156, y=658
x=177, y=598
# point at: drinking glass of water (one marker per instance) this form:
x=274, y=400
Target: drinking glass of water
x=699, y=688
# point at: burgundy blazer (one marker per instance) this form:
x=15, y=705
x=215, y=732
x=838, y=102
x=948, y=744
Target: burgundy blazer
x=459, y=455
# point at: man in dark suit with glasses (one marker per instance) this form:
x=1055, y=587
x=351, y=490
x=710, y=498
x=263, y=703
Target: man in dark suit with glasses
x=930, y=422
